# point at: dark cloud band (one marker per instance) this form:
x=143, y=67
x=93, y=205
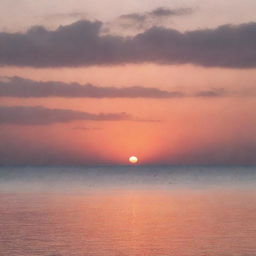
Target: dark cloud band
x=36, y=115
x=157, y=13
x=81, y=44
x=17, y=87
x=25, y=88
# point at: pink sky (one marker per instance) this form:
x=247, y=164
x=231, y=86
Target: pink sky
x=210, y=120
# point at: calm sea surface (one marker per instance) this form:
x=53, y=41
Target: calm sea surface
x=128, y=211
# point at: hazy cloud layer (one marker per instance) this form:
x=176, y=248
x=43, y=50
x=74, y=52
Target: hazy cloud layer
x=36, y=115
x=145, y=20
x=17, y=87
x=81, y=44
x=24, y=88
x=215, y=92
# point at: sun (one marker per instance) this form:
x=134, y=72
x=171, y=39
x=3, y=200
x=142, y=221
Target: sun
x=133, y=159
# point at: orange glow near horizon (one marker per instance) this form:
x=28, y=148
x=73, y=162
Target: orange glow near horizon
x=172, y=130
x=182, y=135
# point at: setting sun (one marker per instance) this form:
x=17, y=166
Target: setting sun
x=133, y=159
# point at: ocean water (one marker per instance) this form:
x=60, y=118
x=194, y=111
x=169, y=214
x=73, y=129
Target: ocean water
x=128, y=211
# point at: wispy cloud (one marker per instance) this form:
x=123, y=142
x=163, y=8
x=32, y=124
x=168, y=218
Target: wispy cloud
x=164, y=11
x=25, y=88
x=145, y=20
x=18, y=87
x=37, y=115
x=214, y=92
x=132, y=23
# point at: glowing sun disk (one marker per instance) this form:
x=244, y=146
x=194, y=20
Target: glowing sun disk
x=133, y=159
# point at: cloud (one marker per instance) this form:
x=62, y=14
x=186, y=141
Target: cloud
x=81, y=44
x=145, y=20
x=17, y=87
x=215, y=92
x=163, y=12
x=25, y=88
x=36, y=115
x=158, y=13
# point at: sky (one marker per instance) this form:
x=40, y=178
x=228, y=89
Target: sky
x=96, y=81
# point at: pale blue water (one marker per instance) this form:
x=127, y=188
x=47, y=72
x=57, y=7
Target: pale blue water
x=133, y=211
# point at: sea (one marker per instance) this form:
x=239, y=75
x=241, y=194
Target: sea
x=128, y=211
